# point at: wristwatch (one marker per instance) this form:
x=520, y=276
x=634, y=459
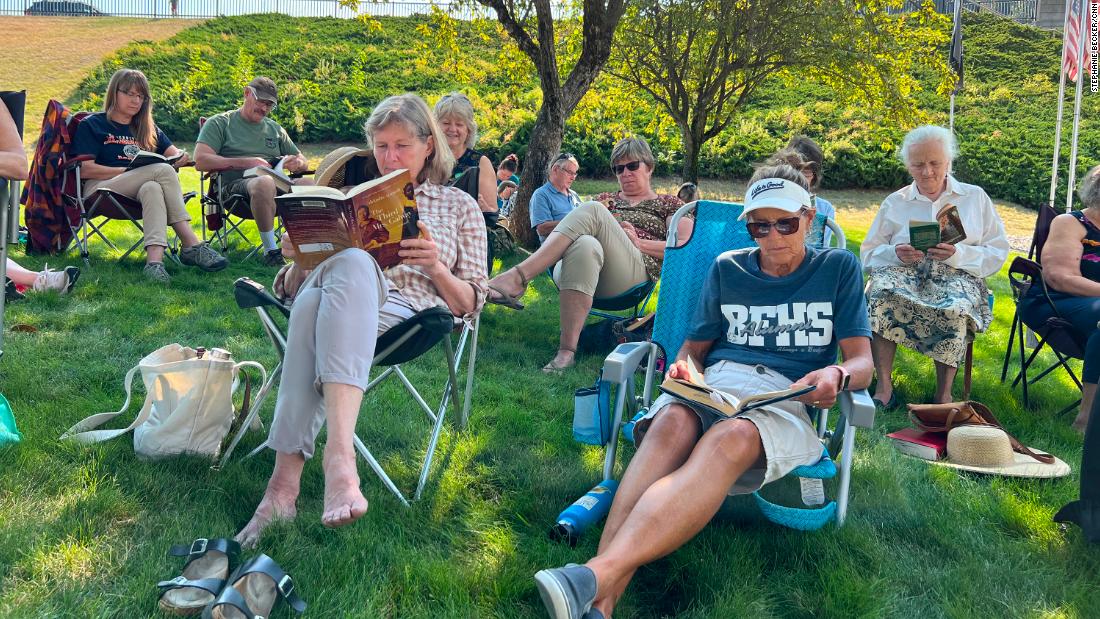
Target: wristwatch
x=845, y=377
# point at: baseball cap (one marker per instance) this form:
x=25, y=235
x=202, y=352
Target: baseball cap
x=777, y=193
x=264, y=89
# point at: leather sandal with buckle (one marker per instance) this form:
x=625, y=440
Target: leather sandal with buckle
x=208, y=564
x=505, y=299
x=253, y=590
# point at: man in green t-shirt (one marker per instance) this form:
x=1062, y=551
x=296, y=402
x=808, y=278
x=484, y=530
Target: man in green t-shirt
x=234, y=141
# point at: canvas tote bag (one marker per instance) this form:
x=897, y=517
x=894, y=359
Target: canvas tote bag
x=188, y=403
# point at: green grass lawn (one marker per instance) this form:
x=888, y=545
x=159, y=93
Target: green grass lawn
x=84, y=530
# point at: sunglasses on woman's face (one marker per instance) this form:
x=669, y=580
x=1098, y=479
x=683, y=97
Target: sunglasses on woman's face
x=632, y=166
x=786, y=227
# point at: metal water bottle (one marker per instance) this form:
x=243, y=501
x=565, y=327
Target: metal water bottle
x=587, y=510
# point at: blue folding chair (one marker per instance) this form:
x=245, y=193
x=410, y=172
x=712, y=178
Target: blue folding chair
x=717, y=230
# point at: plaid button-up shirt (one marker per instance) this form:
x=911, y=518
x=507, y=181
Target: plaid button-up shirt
x=458, y=229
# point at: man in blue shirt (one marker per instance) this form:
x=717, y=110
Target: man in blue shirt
x=767, y=319
x=554, y=200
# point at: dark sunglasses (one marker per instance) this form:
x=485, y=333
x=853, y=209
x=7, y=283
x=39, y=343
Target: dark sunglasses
x=786, y=227
x=632, y=166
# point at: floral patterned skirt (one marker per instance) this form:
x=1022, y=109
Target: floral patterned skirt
x=931, y=312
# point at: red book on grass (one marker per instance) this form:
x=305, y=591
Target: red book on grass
x=924, y=445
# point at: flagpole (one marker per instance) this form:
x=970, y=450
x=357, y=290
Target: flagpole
x=951, y=115
x=958, y=78
x=1061, y=105
x=1081, y=42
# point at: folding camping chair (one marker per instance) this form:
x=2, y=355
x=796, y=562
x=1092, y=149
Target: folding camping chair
x=224, y=215
x=717, y=230
x=88, y=213
x=9, y=200
x=403, y=343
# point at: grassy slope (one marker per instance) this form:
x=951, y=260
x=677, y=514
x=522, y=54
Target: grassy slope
x=49, y=56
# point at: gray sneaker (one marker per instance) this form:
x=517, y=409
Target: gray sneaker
x=567, y=592
x=156, y=272
x=204, y=257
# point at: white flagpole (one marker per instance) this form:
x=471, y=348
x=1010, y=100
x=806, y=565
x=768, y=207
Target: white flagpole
x=951, y=112
x=1061, y=105
x=1081, y=42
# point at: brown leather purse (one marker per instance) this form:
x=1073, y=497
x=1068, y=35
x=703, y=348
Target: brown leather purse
x=943, y=417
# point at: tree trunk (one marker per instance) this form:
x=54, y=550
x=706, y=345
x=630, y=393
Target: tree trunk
x=691, y=158
x=545, y=142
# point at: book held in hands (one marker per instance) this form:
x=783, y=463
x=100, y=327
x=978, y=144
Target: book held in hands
x=694, y=391
x=283, y=182
x=947, y=228
x=374, y=216
x=143, y=158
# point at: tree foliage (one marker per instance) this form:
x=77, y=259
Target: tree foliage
x=703, y=60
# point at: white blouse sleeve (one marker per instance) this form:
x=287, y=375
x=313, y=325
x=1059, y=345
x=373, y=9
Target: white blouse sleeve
x=878, y=247
x=984, y=250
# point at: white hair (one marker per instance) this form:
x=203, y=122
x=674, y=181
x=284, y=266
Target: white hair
x=929, y=133
x=1089, y=191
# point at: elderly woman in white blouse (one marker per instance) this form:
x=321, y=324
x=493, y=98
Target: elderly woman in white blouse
x=929, y=301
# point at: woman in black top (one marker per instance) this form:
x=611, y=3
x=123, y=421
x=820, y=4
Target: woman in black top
x=455, y=115
x=1071, y=274
x=115, y=137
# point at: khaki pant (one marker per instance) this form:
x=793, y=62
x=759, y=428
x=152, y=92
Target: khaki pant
x=157, y=187
x=602, y=262
x=337, y=316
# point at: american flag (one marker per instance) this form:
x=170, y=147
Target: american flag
x=1074, y=38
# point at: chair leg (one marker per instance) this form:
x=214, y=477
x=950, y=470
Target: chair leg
x=847, y=455
x=437, y=429
x=613, y=444
x=471, y=363
x=363, y=451
x=1016, y=323
x=968, y=370
x=252, y=417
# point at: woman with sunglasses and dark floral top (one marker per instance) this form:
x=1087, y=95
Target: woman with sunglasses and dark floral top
x=606, y=247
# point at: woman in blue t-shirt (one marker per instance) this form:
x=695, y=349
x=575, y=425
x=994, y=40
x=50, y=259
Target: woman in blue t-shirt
x=115, y=137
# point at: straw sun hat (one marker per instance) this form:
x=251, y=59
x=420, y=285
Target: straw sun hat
x=986, y=449
x=330, y=172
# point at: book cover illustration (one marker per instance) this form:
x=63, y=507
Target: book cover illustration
x=947, y=228
x=374, y=216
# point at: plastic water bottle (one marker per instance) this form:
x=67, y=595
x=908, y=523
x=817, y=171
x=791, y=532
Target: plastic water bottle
x=587, y=510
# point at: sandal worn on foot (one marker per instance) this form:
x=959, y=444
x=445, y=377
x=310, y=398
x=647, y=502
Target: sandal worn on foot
x=253, y=590
x=208, y=564
x=506, y=299
x=553, y=368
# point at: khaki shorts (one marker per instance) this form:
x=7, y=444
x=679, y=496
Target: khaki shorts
x=785, y=430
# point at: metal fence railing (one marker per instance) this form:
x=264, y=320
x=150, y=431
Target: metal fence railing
x=1023, y=11
x=215, y=8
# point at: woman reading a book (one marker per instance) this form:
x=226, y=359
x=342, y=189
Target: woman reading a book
x=341, y=307
x=1071, y=284
x=606, y=247
x=930, y=296
x=116, y=137
x=767, y=319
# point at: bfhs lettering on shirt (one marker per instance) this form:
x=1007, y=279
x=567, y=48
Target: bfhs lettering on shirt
x=789, y=325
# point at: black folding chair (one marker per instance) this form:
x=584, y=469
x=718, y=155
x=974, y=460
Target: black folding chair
x=400, y=344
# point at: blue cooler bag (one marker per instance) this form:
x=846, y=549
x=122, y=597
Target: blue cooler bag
x=592, y=413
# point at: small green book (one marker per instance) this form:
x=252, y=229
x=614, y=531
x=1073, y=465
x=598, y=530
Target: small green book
x=924, y=234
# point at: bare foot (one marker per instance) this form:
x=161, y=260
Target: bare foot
x=276, y=505
x=344, y=501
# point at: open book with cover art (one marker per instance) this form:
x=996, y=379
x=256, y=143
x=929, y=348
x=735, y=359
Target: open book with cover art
x=694, y=391
x=947, y=228
x=374, y=216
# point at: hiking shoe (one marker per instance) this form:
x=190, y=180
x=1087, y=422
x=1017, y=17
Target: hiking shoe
x=156, y=272
x=204, y=257
x=61, y=281
x=567, y=592
x=273, y=258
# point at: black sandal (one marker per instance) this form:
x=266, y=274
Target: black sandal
x=253, y=590
x=505, y=299
x=209, y=562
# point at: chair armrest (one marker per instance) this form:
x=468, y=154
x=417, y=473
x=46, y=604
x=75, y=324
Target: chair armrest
x=248, y=293
x=74, y=162
x=858, y=408
x=620, y=365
